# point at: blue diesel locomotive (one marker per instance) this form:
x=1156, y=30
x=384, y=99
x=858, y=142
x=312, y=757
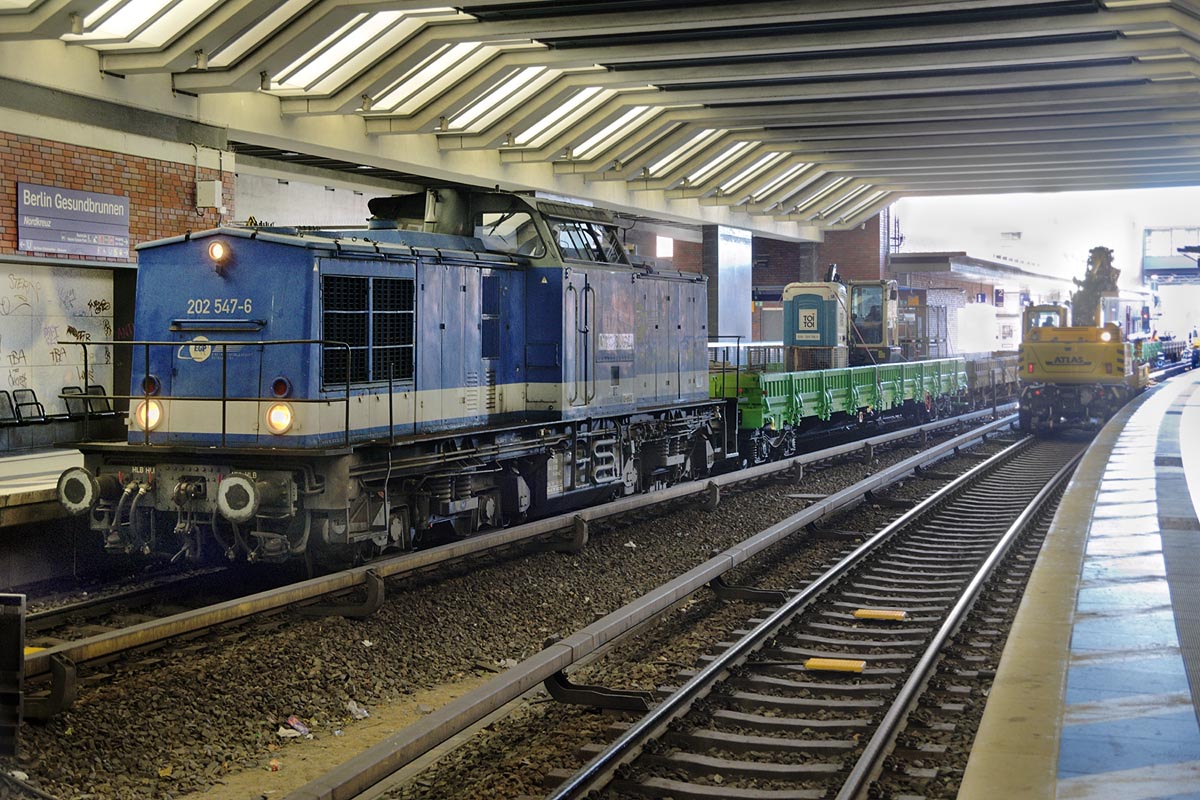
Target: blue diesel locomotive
x=470, y=359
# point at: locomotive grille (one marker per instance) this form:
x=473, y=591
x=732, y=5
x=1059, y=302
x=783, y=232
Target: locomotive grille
x=345, y=320
x=376, y=317
x=393, y=323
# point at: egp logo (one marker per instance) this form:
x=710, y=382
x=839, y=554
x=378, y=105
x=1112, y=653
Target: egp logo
x=197, y=350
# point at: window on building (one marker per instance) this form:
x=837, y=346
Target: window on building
x=664, y=247
x=376, y=318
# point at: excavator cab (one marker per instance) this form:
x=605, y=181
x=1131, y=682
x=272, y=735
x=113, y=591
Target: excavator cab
x=874, y=332
x=1045, y=316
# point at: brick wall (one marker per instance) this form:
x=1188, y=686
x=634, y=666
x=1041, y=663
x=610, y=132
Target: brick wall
x=778, y=263
x=860, y=253
x=161, y=193
x=686, y=257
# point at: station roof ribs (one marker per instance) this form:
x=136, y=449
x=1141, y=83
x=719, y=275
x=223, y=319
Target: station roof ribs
x=807, y=116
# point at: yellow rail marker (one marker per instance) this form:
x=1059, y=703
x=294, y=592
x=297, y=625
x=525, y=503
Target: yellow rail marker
x=29, y=650
x=834, y=665
x=892, y=614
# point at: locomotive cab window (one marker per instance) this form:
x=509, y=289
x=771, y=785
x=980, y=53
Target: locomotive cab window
x=510, y=232
x=587, y=241
x=376, y=318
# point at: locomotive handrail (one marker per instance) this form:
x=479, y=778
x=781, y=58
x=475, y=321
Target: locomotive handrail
x=223, y=398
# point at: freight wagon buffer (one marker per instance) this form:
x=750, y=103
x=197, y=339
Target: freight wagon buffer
x=472, y=359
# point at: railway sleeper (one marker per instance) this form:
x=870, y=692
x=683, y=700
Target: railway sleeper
x=698, y=739
x=780, y=656
x=701, y=765
x=681, y=790
x=784, y=684
x=750, y=701
x=64, y=688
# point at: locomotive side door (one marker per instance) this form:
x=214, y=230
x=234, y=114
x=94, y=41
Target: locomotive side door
x=502, y=337
x=432, y=318
x=579, y=312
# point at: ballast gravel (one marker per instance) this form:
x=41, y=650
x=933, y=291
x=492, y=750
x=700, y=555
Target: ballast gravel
x=179, y=719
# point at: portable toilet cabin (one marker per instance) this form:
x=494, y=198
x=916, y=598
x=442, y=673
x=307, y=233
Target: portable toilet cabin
x=814, y=326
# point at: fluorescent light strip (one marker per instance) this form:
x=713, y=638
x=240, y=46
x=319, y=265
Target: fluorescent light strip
x=229, y=54
x=720, y=162
x=750, y=172
x=820, y=195
x=506, y=91
x=312, y=64
x=870, y=201
x=775, y=184
x=843, y=200
x=598, y=142
x=429, y=79
x=684, y=151
x=571, y=111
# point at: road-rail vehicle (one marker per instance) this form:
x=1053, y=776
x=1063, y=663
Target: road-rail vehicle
x=1074, y=376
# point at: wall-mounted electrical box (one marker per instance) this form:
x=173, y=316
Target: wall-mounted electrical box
x=208, y=194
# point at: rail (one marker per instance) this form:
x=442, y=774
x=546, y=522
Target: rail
x=880, y=744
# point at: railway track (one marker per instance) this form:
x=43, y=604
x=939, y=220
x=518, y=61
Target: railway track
x=809, y=702
x=69, y=638
x=391, y=755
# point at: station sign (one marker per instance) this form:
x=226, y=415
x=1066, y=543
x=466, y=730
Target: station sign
x=60, y=221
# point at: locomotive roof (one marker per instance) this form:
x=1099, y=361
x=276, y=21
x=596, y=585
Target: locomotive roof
x=341, y=241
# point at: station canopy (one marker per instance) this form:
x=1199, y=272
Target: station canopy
x=797, y=116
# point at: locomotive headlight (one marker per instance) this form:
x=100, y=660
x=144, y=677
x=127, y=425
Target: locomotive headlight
x=218, y=252
x=148, y=414
x=1105, y=336
x=279, y=418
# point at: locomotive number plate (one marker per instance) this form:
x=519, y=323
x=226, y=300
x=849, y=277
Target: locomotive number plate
x=201, y=306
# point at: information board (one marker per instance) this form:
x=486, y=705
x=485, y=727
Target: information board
x=64, y=221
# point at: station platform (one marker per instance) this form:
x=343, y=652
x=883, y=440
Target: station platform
x=1098, y=692
x=28, y=483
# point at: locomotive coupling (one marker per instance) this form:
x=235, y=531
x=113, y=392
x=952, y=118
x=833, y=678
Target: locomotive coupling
x=240, y=495
x=79, y=490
